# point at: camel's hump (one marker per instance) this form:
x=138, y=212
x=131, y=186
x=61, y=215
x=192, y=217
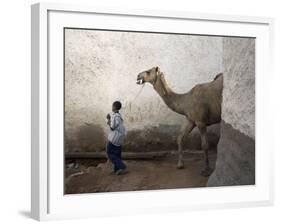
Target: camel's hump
x=218, y=75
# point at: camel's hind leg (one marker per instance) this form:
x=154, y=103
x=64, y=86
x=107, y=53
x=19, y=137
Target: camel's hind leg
x=205, y=146
x=186, y=130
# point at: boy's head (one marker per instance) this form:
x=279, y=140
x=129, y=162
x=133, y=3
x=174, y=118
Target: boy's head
x=116, y=106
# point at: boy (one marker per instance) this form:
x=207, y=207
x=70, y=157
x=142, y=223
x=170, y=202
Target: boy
x=115, y=139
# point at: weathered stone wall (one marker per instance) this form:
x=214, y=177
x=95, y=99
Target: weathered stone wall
x=236, y=149
x=238, y=107
x=101, y=67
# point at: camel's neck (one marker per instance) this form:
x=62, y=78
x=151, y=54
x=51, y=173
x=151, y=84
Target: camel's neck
x=171, y=98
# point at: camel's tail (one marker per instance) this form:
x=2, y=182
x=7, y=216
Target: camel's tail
x=218, y=75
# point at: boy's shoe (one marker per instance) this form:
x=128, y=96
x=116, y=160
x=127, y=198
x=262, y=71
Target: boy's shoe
x=121, y=171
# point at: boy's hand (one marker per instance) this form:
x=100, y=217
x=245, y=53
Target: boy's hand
x=108, y=116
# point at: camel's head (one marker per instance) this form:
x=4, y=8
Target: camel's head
x=148, y=75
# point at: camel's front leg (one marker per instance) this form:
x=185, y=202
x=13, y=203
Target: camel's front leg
x=185, y=130
x=205, y=146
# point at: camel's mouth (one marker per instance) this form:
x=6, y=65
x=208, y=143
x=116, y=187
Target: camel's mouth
x=139, y=81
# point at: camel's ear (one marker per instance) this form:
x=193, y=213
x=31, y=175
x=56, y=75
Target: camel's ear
x=157, y=69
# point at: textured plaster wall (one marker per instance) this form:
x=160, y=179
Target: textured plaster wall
x=236, y=149
x=101, y=67
x=238, y=108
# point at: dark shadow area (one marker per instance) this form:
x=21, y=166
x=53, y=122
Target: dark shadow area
x=88, y=138
x=87, y=176
x=164, y=137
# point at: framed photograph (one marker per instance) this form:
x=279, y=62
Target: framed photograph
x=138, y=111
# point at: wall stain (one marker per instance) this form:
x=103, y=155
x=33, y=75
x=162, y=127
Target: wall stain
x=91, y=137
x=88, y=137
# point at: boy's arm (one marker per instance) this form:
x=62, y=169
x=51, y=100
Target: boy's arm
x=111, y=123
x=114, y=122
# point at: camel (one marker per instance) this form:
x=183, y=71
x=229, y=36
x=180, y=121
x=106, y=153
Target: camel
x=201, y=106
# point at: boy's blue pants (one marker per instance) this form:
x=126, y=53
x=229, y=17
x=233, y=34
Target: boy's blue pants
x=114, y=154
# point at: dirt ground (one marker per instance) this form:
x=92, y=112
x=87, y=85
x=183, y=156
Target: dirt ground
x=86, y=176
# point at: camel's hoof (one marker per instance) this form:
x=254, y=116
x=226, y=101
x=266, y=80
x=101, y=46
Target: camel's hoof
x=180, y=166
x=206, y=172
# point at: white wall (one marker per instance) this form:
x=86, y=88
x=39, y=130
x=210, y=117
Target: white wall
x=102, y=66
x=235, y=164
x=238, y=107
x=15, y=111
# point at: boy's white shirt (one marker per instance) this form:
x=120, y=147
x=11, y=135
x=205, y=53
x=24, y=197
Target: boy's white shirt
x=117, y=130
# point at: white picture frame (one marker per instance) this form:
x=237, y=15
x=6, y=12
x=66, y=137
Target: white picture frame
x=48, y=201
